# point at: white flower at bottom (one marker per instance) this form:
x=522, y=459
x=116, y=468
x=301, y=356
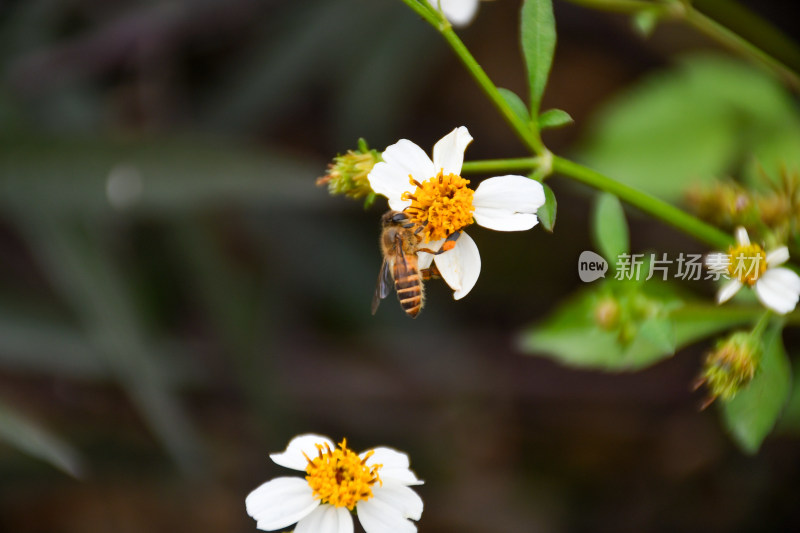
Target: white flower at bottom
x=777, y=288
x=374, y=483
x=434, y=195
x=458, y=12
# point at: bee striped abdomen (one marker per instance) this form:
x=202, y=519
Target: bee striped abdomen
x=408, y=284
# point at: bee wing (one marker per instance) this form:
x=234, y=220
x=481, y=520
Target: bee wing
x=385, y=284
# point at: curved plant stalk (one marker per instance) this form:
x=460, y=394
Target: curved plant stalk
x=647, y=203
x=684, y=10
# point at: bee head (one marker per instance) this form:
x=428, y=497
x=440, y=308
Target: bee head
x=394, y=218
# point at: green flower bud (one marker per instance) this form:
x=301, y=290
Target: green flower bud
x=347, y=173
x=607, y=313
x=730, y=367
x=724, y=203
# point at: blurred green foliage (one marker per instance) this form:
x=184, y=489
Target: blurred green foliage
x=610, y=228
x=705, y=119
x=652, y=320
x=751, y=415
x=123, y=122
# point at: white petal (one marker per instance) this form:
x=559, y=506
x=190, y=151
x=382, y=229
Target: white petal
x=280, y=503
x=377, y=516
x=727, y=291
x=402, y=159
x=394, y=469
x=401, y=498
x=424, y=259
x=387, y=457
x=461, y=266
x=293, y=456
x=458, y=12
x=508, y=203
x=779, y=289
x=787, y=278
x=448, y=153
x=390, y=182
x=778, y=256
x=326, y=519
x=741, y=236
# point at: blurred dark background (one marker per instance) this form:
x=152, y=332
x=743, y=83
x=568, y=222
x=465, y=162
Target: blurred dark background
x=177, y=298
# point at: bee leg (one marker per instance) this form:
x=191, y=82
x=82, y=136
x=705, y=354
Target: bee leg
x=448, y=244
x=430, y=273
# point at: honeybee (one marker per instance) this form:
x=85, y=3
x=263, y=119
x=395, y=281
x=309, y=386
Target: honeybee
x=400, y=241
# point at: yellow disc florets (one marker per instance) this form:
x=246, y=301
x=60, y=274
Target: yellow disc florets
x=340, y=477
x=442, y=204
x=747, y=262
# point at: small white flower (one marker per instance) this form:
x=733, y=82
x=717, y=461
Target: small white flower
x=778, y=288
x=435, y=196
x=458, y=12
x=374, y=483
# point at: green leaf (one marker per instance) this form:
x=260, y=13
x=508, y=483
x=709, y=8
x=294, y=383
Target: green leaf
x=773, y=153
x=659, y=332
x=645, y=21
x=554, y=118
x=751, y=415
x=694, y=322
x=538, y=38
x=692, y=124
x=29, y=437
x=571, y=335
x=610, y=227
x=547, y=213
x=516, y=104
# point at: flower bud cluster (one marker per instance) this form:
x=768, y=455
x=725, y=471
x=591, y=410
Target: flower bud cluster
x=728, y=204
x=731, y=366
x=625, y=313
x=347, y=173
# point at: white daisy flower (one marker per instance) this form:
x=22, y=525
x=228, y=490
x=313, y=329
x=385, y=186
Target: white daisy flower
x=374, y=483
x=778, y=288
x=435, y=196
x=458, y=12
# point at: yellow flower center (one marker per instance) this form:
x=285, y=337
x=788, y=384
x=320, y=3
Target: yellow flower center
x=747, y=262
x=442, y=204
x=340, y=477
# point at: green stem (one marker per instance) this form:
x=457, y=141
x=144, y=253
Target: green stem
x=761, y=325
x=726, y=37
x=526, y=132
x=733, y=313
x=501, y=165
x=705, y=24
x=647, y=203
x=424, y=11
x=620, y=6
x=753, y=28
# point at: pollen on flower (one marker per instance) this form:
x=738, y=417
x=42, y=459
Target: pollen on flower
x=340, y=477
x=747, y=262
x=442, y=205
